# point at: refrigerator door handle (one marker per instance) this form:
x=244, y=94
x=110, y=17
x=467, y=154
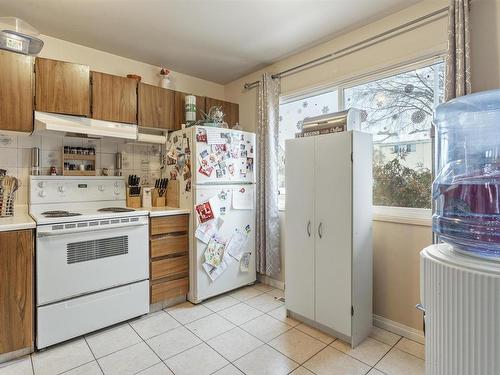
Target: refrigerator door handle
x=309, y=228
x=320, y=230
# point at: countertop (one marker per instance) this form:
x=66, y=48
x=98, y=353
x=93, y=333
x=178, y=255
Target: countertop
x=166, y=211
x=20, y=220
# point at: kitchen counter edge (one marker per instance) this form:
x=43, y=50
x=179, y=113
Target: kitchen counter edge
x=21, y=220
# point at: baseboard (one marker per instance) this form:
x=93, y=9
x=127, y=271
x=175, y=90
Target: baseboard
x=399, y=329
x=270, y=281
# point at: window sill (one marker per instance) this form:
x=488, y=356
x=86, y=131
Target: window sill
x=403, y=215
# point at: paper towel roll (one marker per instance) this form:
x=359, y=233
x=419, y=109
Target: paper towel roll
x=190, y=107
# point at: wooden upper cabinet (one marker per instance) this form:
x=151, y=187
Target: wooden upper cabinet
x=62, y=87
x=231, y=110
x=180, y=111
x=114, y=98
x=156, y=107
x=16, y=92
x=16, y=290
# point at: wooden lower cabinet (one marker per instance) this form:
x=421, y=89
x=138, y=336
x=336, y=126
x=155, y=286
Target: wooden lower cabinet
x=16, y=291
x=169, y=262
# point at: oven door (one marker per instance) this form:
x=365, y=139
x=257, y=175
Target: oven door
x=76, y=263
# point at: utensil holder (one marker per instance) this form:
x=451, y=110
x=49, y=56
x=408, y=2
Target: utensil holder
x=158, y=201
x=6, y=203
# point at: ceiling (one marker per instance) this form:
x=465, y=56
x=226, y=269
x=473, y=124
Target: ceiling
x=217, y=40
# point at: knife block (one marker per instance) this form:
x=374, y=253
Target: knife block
x=173, y=193
x=133, y=201
x=156, y=200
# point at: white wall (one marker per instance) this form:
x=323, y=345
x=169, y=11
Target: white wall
x=143, y=160
x=396, y=291
x=108, y=63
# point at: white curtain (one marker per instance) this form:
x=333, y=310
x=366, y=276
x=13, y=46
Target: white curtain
x=267, y=226
x=458, y=71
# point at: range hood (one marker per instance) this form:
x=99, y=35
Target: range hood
x=50, y=123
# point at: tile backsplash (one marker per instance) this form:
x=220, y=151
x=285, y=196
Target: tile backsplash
x=15, y=157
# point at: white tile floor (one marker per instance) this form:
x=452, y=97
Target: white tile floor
x=243, y=332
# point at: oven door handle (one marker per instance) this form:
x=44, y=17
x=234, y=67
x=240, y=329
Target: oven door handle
x=87, y=229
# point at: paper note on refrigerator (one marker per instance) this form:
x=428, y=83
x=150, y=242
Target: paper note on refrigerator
x=236, y=245
x=245, y=262
x=209, y=210
x=214, y=136
x=242, y=198
x=214, y=252
x=206, y=231
x=215, y=272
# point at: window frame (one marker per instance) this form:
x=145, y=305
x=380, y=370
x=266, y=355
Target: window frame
x=404, y=215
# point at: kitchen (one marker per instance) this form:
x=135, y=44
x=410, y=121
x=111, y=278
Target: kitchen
x=137, y=234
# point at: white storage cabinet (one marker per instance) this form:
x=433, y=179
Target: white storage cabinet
x=328, y=233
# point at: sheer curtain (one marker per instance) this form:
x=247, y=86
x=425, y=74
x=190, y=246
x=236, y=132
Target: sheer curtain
x=458, y=71
x=267, y=226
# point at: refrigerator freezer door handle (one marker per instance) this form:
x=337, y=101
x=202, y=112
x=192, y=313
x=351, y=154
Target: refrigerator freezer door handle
x=320, y=230
x=309, y=228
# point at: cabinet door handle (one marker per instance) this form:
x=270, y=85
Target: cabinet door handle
x=309, y=228
x=320, y=230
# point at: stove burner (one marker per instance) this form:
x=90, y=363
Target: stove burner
x=115, y=209
x=59, y=214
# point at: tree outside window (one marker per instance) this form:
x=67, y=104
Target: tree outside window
x=398, y=110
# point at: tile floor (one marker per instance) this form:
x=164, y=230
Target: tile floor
x=242, y=332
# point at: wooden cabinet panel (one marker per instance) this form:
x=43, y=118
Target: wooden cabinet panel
x=169, y=289
x=231, y=110
x=179, y=115
x=170, y=267
x=114, y=98
x=169, y=224
x=156, y=107
x=62, y=87
x=169, y=245
x=16, y=92
x=16, y=290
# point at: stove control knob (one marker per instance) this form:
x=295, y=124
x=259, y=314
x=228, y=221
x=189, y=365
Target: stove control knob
x=117, y=184
x=101, y=187
x=42, y=194
x=42, y=184
x=117, y=192
x=62, y=189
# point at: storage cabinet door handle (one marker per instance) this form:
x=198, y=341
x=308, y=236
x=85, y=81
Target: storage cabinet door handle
x=320, y=230
x=309, y=228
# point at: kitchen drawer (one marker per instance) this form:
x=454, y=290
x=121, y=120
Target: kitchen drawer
x=169, y=224
x=169, y=244
x=170, y=267
x=169, y=289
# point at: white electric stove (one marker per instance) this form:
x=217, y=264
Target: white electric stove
x=92, y=256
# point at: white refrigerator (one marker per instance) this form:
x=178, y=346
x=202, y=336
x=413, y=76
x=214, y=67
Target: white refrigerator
x=214, y=170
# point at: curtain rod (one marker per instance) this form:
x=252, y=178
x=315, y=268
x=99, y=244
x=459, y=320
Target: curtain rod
x=352, y=48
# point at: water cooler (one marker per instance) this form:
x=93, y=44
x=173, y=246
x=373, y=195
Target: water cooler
x=460, y=277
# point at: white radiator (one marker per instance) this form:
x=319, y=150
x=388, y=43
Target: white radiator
x=461, y=298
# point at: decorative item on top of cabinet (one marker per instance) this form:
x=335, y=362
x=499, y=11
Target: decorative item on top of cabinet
x=156, y=107
x=16, y=293
x=16, y=92
x=169, y=245
x=114, y=98
x=180, y=110
x=62, y=87
x=231, y=110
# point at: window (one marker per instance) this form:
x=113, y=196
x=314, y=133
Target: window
x=397, y=110
x=292, y=114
